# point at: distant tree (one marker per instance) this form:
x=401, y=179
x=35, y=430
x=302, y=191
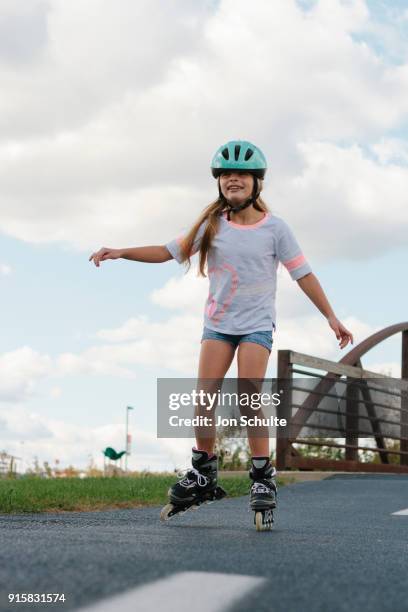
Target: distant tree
x=374, y=457
x=92, y=470
x=233, y=453
x=320, y=452
x=70, y=472
x=47, y=469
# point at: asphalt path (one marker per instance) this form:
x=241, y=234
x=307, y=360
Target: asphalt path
x=336, y=546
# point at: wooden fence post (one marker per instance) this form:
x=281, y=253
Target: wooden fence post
x=351, y=419
x=404, y=399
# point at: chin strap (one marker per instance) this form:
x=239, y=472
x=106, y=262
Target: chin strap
x=248, y=201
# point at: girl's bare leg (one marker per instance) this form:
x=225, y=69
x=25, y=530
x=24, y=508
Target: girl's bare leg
x=252, y=363
x=215, y=359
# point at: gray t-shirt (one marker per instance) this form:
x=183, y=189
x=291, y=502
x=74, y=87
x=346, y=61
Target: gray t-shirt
x=242, y=264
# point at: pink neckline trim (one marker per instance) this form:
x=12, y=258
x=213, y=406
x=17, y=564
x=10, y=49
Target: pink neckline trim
x=245, y=227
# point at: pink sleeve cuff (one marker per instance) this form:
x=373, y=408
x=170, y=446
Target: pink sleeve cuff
x=294, y=263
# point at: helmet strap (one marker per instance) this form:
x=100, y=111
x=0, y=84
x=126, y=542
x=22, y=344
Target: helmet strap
x=248, y=201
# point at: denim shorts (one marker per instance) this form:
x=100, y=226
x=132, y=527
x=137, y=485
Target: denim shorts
x=264, y=338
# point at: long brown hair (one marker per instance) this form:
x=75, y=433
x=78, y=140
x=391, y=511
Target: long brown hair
x=212, y=212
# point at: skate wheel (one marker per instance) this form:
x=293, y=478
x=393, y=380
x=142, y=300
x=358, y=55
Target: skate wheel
x=259, y=521
x=164, y=514
x=263, y=521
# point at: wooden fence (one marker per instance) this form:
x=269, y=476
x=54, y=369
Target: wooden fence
x=369, y=406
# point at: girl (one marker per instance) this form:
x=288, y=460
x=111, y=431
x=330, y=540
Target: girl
x=242, y=243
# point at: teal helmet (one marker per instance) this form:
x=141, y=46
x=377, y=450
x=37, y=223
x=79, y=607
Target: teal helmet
x=239, y=155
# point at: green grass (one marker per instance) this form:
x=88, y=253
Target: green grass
x=75, y=494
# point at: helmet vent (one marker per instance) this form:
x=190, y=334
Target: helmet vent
x=237, y=150
x=225, y=153
x=248, y=154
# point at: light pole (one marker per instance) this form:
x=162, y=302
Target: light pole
x=127, y=436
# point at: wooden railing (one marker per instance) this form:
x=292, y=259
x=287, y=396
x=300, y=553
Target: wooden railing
x=385, y=421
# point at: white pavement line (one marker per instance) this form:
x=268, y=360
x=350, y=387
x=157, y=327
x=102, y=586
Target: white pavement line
x=401, y=512
x=182, y=592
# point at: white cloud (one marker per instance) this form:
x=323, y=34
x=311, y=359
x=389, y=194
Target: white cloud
x=99, y=361
x=23, y=31
x=111, y=218
x=20, y=372
x=174, y=343
x=386, y=31
x=188, y=292
x=120, y=153
x=312, y=335
x=55, y=392
x=388, y=368
x=345, y=205
x=171, y=344
x=21, y=424
x=391, y=151
x=88, y=56
x=5, y=269
x=28, y=435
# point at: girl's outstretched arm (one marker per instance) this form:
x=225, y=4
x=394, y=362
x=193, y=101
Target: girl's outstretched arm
x=147, y=254
x=311, y=286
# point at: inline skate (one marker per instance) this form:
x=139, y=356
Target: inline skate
x=263, y=494
x=198, y=486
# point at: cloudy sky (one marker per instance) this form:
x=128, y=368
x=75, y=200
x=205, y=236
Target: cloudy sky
x=109, y=116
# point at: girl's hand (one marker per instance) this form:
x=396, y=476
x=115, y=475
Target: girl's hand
x=341, y=332
x=103, y=254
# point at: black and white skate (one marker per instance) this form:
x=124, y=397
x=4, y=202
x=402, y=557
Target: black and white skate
x=208, y=497
x=197, y=487
x=263, y=494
